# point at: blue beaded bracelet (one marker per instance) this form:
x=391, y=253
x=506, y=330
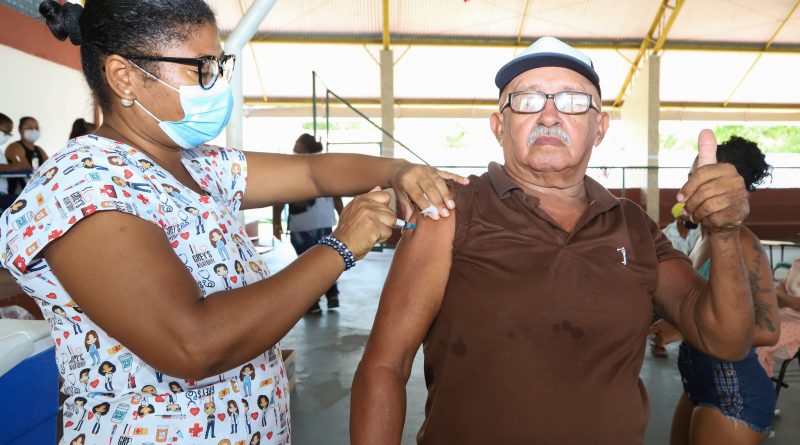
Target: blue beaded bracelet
x=338, y=246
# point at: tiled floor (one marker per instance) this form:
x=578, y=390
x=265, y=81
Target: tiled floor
x=329, y=347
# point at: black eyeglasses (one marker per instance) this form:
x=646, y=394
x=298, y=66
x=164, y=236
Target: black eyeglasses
x=567, y=102
x=209, y=68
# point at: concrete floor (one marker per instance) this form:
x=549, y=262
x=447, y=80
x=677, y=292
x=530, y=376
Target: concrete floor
x=329, y=346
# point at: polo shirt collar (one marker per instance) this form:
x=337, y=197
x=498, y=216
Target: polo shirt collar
x=503, y=186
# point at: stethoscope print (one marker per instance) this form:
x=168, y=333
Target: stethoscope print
x=205, y=279
x=185, y=260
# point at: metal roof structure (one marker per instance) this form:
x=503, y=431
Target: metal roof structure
x=716, y=54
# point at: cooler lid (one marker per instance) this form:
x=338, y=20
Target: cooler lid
x=20, y=339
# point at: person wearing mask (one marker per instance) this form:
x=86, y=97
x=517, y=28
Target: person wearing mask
x=533, y=302
x=729, y=401
x=25, y=154
x=121, y=255
x=310, y=220
x=6, y=128
x=80, y=128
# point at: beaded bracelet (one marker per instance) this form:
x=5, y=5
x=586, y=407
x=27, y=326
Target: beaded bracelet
x=344, y=252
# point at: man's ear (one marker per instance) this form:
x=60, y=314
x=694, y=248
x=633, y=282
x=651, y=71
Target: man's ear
x=602, y=126
x=119, y=78
x=496, y=123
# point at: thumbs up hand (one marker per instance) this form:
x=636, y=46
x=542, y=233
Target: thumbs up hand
x=714, y=195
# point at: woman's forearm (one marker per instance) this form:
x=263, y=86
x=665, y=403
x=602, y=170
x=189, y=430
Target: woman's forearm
x=352, y=174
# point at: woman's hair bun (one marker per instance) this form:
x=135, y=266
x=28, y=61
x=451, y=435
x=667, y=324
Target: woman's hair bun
x=63, y=20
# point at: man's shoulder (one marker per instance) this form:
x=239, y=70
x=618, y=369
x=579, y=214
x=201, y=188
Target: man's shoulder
x=628, y=206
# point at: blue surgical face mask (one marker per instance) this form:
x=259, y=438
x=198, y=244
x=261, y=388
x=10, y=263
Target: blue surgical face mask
x=205, y=112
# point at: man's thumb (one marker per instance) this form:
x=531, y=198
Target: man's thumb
x=706, y=148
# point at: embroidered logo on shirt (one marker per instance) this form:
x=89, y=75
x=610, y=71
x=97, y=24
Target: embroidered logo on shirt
x=624, y=256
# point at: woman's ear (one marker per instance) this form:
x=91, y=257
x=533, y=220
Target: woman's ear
x=119, y=77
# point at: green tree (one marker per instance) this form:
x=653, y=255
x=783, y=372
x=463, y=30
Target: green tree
x=771, y=139
x=456, y=140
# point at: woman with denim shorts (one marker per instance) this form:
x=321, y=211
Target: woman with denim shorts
x=731, y=402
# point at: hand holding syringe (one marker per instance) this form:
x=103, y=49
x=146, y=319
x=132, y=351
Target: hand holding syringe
x=430, y=210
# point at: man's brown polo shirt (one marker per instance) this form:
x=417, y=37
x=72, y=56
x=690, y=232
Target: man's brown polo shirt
x=541, y=333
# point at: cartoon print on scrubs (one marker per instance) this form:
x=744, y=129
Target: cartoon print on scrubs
x=240, y=247
x=99, y=411
x=112, y=395
x=76, y=327
x=246, y=376
x=222, y=270
x=210, y=409
x=240, y=272
x=233, y=415
x=80, y=404
x=92, y=345
x=246, y=408
x=218, y=240
x=236, y=171
x=200, y=225
x=106, y=370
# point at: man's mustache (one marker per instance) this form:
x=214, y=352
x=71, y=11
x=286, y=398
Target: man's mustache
x=554, y=131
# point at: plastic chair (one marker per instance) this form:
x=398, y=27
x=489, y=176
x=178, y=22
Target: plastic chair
x=779, y=382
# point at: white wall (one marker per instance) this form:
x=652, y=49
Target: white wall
x=53, y=94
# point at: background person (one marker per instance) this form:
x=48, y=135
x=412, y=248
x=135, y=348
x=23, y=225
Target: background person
x=6, y=128
x=25, y=154
x=683, y=235
x=788, y=293
x=681, y=232
x=158, y=72
x=81, y=128
x=309, y=220
x=727, y=401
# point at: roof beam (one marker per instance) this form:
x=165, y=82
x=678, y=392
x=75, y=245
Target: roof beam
x=477, y=41
x=660, y=27
x=522, y=21
x=386, y=34
x=761, y=53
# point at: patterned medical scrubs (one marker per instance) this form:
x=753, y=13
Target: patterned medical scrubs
x=113, y=396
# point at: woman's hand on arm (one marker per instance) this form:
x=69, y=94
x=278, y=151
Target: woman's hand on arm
x=409, y=303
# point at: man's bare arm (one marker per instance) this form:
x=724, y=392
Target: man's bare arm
x=713, y=315
x=409, y=303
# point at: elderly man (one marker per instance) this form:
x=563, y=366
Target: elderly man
x=534, y=303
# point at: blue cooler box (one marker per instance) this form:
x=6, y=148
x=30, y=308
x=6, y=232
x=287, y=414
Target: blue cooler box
x=28, y=383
